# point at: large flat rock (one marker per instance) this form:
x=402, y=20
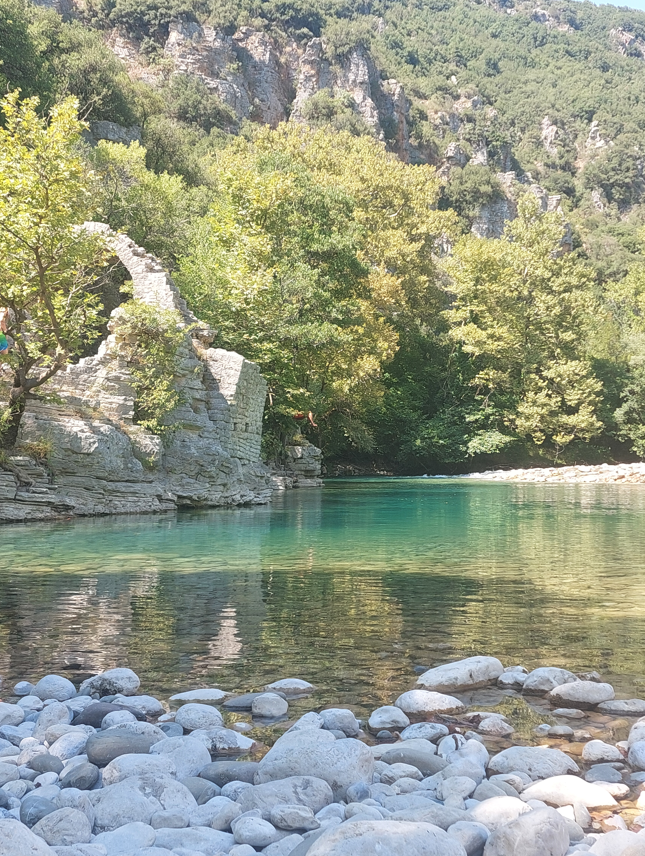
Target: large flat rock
x=464, y=674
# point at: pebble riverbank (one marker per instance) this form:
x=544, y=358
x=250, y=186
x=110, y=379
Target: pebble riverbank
x=104, y=770
x=599, y=474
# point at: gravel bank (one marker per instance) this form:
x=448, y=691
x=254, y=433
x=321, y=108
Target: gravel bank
x=105, y=770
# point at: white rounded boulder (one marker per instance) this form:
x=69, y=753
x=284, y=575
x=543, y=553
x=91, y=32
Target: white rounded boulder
x=464, y=674
x=421, y=702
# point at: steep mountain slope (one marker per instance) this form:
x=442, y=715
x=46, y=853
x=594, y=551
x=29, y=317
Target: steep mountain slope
x=555, y=94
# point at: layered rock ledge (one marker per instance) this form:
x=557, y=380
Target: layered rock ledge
x=104, y=770
x=101, y=462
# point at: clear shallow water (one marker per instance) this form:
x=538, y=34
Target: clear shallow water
x=348, y=587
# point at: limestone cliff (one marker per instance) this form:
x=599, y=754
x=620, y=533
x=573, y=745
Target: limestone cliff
x=103, y=463
x=269, y=83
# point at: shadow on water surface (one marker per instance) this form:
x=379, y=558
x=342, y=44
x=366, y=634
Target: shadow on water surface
x=348, y=587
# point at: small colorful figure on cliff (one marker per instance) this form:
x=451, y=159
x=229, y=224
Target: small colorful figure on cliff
x=4, y=342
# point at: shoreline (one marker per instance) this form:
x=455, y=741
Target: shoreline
x=583, y=474
x=84, y=771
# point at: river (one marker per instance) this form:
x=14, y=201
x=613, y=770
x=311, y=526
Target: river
x=350, y=587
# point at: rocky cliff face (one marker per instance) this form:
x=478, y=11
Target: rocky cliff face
x=269, y=83
x=102, y=463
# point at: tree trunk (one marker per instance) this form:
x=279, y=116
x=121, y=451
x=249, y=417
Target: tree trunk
x=17, y=403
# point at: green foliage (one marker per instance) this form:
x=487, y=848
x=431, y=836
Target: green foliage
x=140, y=18
x=150, y=339
x=192, y=102
x=518, y=312
x=617, y=172
x=318, y=249
x=156, y=211
x=21, y=64
x=343, y=36
x=468, y=189
x=81, y=65
x=339, y=112
x=47, y=263
x=630, y=416
x=173, y=148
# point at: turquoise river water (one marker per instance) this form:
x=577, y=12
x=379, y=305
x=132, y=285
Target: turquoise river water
x=350, y=587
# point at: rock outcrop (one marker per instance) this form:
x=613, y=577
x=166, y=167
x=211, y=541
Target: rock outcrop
x=101, y=462
x=266, y=82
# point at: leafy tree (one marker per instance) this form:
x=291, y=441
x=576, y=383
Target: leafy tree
x=151, y=341
x=625, y=302
x=78, y=63
x=47, y=263
x=156, y=211
x=519, y=313
x=192, y=102
x=275, y=268
x=339, y=112
x=21, y=64
x=321, y=245
x=617, y=172
x=468, y=189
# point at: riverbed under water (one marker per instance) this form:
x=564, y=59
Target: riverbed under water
x=349, y=587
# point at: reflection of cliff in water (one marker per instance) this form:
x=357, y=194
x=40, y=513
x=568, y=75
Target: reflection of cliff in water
x=161, y=594
x=348, y=587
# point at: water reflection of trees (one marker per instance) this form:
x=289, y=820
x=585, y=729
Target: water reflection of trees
x=348, y=592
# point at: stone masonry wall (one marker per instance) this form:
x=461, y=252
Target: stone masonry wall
x=102, y=463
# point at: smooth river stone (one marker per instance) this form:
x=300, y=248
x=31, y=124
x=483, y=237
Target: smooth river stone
x=188, y=755
x=82, y=776
x=314, y=752
x=95, y=713
x=424, y=760
x=220, y=773
x=367, y=837
x=387, y=717
x=127, y=766
x=33, y=808
x=432, y=731
x=269, y=705
x=11, y=714
x=545, y=678
x=583, y=694
x=536, y=761
x=241, y=702
x=296, y=790
x=206, y=694
x=597, y=751
x=137, y=799
x=8, y=773
x=498, y=811
x=198, y=839
x=291, y=687
x=56, y=687
x=340, y=719
x=623, y=707
x=105, y=746
x=64, y=827
x=17, y=840
x=464, y=674
x=193, y=716
x=542, y=832
x=201, y=789
x=568, y=790
x=113, y=682
x=46, y=764
x=423, y=702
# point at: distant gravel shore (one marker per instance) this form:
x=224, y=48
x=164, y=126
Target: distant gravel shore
x=600, y=474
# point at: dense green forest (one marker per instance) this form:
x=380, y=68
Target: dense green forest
x=345, y=266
